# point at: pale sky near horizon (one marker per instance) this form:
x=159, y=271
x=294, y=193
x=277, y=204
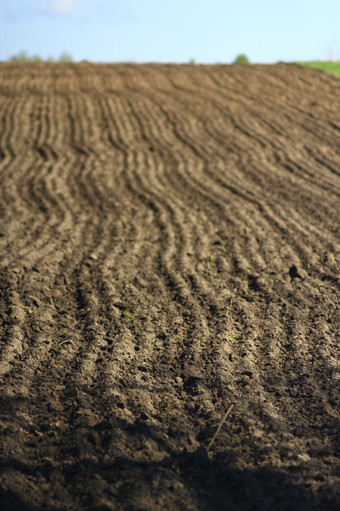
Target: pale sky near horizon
x=208, y=31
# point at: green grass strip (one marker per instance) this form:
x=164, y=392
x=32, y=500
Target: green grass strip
x=331, y=66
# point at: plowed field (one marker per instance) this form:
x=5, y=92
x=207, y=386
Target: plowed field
x=169, y=270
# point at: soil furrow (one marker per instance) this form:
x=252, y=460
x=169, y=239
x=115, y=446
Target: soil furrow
x=169, y=247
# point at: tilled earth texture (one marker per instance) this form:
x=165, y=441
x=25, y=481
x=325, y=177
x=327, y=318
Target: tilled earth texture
x=169, y=283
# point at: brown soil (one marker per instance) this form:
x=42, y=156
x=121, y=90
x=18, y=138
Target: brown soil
x=169, y=251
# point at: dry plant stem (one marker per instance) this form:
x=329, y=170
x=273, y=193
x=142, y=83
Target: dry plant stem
x=219, y=427
x=22, y=306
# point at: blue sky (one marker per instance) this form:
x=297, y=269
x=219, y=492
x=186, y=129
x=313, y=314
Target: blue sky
x=208, y=31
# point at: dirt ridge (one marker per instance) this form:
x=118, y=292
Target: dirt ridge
x=169, y=245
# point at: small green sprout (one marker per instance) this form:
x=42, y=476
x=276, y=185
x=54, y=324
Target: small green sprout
x=14, y=242
x=331, y=258
x=128, y=316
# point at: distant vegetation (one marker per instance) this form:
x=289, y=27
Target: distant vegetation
x=22, y=56
x=241, y=59
x=332, y=66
